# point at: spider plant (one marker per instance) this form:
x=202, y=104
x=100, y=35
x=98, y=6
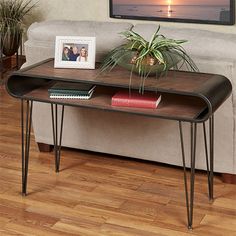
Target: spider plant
x=12, y=13
x=155, y=57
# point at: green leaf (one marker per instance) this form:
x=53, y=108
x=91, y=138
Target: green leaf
x=153, y=37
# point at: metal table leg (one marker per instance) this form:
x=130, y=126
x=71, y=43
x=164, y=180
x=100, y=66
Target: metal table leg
x=25, y=140
x=57, y=143
x=210, y=166
x=189, y=198
x=210, y=152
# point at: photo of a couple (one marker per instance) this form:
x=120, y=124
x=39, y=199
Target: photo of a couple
x=75, y=52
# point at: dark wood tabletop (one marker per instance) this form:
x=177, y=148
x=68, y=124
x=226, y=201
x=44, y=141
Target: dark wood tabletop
x=187, y=96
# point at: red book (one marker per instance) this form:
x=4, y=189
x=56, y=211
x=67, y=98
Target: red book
x=135, y=99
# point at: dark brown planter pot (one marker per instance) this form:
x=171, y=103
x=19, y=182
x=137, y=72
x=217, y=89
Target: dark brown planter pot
x=10, y=42
x=151, y=65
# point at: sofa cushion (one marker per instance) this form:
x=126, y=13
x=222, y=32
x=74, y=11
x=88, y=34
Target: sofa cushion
x=106, y=33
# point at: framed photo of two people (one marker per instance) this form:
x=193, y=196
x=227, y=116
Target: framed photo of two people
x=75, y=52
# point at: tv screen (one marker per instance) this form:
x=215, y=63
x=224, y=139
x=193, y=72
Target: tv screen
x=190, y=11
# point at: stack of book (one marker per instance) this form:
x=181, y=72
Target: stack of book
x=67, y=90
x=135, y=99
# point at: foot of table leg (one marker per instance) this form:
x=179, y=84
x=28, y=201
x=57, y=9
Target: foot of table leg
x=211, y=194
x=25, y=139
x=189, y=197
x=210, y=167
x=57, y=134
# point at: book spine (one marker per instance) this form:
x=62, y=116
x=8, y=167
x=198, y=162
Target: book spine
x=66, y=96
x=67, y=93
x=123, y=102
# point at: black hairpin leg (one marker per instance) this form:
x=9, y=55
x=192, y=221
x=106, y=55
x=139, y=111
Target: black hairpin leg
x=210, y=167
x=189, y=198
x=25, y=140
x=57, y=134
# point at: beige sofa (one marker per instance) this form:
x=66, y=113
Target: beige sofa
x=130, y=135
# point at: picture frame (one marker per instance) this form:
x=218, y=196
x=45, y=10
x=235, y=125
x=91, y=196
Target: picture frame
x=75, y=52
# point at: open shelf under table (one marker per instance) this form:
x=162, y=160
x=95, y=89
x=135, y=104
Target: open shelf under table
x=172, y=106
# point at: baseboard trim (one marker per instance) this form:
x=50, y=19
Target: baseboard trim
x=228, y=178
x=43, y=147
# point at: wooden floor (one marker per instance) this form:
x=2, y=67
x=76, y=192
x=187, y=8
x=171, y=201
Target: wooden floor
x=97, y=194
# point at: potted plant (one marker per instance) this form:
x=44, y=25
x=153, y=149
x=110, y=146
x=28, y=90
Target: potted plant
x=153, y=58
x=12, y=13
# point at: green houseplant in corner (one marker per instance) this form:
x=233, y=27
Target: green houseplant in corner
x=12, y=13
x=148, y=58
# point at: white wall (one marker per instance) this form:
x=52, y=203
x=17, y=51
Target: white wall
x=98, y=10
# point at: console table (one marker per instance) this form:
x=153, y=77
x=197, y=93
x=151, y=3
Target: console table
x=186, y=97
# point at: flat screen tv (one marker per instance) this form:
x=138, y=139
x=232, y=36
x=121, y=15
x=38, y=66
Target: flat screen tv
x=220, y=12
